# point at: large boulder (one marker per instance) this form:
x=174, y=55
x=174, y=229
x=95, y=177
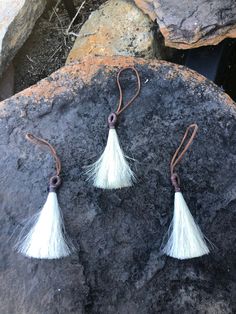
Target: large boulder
x=117, y=28
x=190, y=24
x=17, y=19
x=117, y=267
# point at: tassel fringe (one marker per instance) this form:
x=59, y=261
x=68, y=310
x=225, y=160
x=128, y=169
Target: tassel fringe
x=112, y=170
x=46, y=238
x=186, y=239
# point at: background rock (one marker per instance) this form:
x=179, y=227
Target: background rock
x=17, y=19
x=190, y=24
x=118, y=268
x=117, y=28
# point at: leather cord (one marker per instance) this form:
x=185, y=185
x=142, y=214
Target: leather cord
x=39, y=141
x=120, y=109
x=178, y=156
x=112, y=119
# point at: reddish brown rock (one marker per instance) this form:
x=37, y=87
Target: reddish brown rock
x=191, y=24
x=117, y=28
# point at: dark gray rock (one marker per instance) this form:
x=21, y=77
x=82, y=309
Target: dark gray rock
x=118, y=268
x=189, y=24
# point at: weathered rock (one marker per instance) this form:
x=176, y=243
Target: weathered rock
x=117, y=28
x=190, y=24
x=118, y=268
x=148, y=7
x=17, y=19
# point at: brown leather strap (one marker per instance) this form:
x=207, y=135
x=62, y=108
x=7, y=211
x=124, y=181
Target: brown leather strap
x=39, y=141
x=120, y=109
x=177, y=157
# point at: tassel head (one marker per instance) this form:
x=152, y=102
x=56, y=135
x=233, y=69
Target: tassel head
x=175, y=180
x=54, y=183
x=112, y=120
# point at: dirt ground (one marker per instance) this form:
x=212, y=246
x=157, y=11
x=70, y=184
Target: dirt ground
x=47, y=48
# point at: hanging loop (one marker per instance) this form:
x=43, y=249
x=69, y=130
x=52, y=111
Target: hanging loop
x=39, y=141
x=177, y=157
x=120, y=109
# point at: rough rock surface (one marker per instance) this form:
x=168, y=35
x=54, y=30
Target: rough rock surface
x=17, y=18
x=117, y=268
x=117, y=28
x=190, y=24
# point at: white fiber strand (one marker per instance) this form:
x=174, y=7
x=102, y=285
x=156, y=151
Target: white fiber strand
x=186, y=239
x=46, y=239
x=111, y=170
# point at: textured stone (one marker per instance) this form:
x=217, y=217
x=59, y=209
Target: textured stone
x=191, y=24
x=17, y=18
x=117, y=28
x=118, y=268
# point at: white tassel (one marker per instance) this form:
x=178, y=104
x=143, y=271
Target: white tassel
x=186, y=239
x=46, y=239
x=112, y=170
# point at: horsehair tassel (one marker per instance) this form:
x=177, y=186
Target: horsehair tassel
x=111, y=170
x=46, y=238
x=185, y=237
